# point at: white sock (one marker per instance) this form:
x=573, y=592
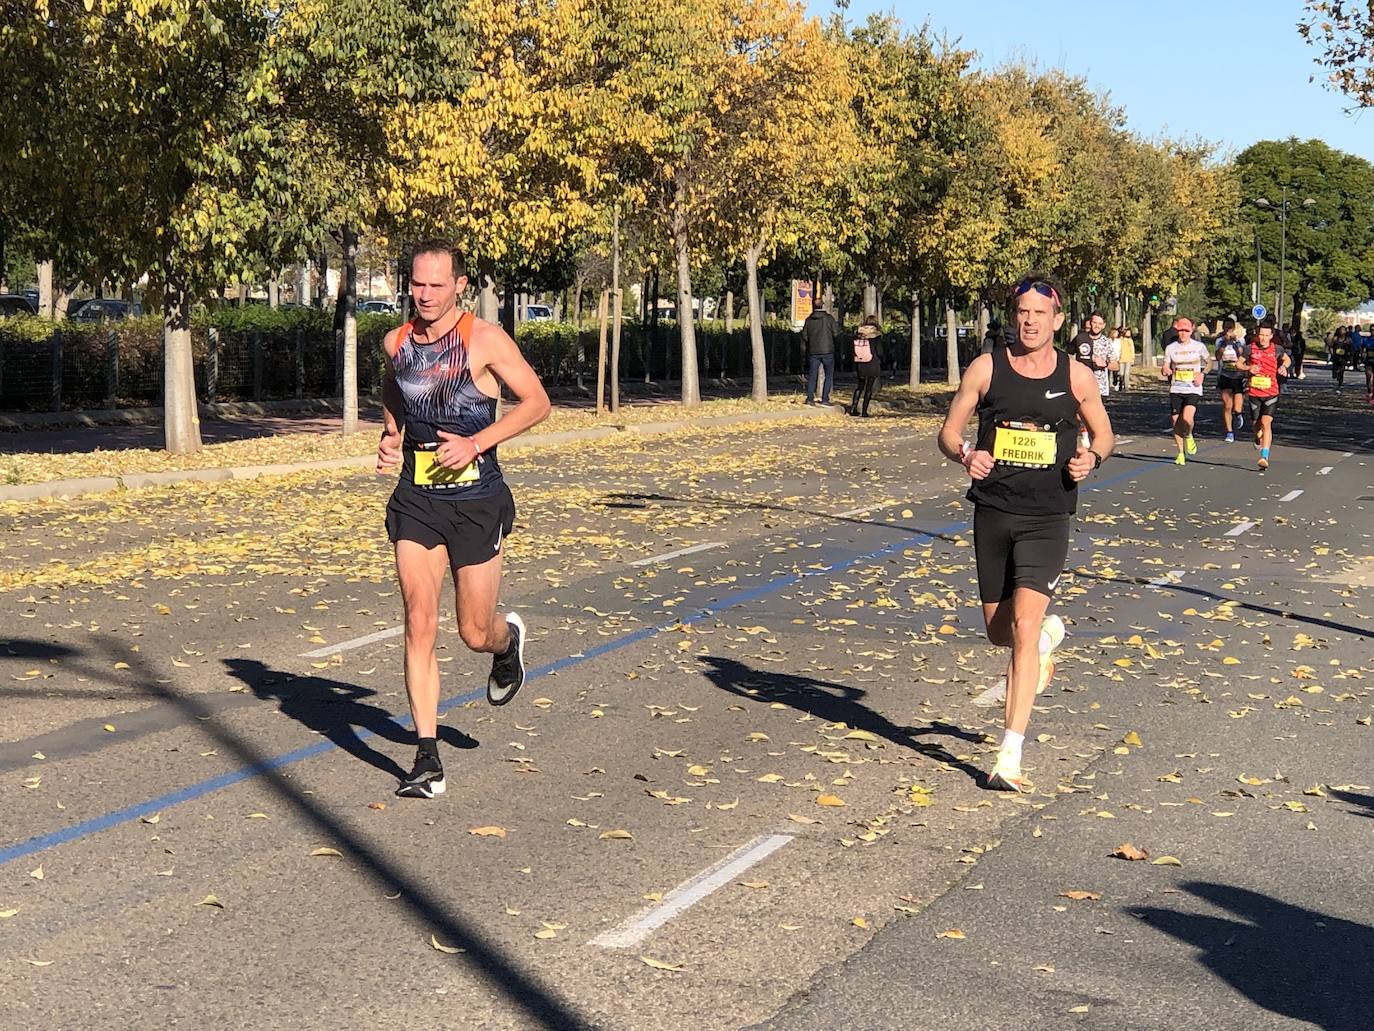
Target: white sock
x=1010, y=752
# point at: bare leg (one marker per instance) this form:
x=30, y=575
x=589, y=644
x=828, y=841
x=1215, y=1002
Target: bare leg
x=478, y=588
x=421, y=573
x=1227, y=398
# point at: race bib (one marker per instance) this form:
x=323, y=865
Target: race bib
x=429, y=473
x=1260, y=382
x=1183, y=375
x=1025, y=444
x=1229, y=364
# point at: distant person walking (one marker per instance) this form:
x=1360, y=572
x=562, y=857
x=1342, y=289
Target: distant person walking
x=868, y=364
x=1126, y=344
x=819, y=331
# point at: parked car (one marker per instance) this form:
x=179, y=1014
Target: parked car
x=538, y=313
x=32, y=297
x=104, y=309
x=376, y=308
x=16, y=304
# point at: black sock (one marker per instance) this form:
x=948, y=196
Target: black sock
x=429, y=746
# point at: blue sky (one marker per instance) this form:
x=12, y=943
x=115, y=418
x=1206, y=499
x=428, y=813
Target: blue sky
x=1228, y=71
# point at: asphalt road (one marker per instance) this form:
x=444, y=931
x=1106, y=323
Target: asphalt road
x=742, y=785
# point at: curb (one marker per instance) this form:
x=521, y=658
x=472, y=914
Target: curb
x=135, y=481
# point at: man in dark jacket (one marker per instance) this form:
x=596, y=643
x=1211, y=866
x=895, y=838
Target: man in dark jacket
x=819, y=331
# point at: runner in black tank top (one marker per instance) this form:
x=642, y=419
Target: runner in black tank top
x=451, y=511
x=1025, y=466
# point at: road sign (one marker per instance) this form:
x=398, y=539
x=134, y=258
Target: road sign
x=1259, y=311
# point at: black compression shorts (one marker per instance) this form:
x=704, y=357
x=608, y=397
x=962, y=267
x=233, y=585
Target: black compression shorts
x=1262, y=406
x=471, y=529
x=1178, y=402
x=1018, y=551
x=1235, y=384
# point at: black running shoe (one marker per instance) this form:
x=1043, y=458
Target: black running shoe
x=508, y=670
x=425, y=781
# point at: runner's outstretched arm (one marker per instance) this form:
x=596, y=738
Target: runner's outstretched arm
x=1094, y=416
x=974, y=384
x=502, y=357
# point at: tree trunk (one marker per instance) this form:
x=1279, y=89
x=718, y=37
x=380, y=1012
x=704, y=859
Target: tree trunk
x=603, y=314
x=488, y=307
x=577, y=309
x=62, y=300
x=691, y=389
x=273, y=293
x=617, y=305
x=508, y=300
x=951, y=344
x=730, y=310
x=870, y=298
x=181, y=422
x=348, y=302
x=303, y=287
x=759, y=358
x=45, y=309
x=322, y=265
x=1118, y=319
x=1147, y=344
x=915, y=377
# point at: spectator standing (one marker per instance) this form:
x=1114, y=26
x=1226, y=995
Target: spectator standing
x=868, y=364
x=819, y=331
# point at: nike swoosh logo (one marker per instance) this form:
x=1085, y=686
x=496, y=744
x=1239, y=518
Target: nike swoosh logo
x=1054, y=583
x=498, y=540
x=1051, y=396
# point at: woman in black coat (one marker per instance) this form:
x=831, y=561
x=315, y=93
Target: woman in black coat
x=868, y=364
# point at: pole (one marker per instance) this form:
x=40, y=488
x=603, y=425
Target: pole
x=1283, y=256
x=1259, y=282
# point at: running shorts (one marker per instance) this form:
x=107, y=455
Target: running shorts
x=1262, y=406
x=1018, y=551
x=471, y=529
x=1178, y=402
x=1235, y=384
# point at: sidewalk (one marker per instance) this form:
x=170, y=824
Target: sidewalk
x=364, y=439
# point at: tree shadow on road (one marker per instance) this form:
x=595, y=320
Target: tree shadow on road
x=1296, y=962
x=836, y=703
x=528, y=991
x=337, y=711
x=1365, y=802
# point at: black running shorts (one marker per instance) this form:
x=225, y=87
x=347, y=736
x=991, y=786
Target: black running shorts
x=1235, y=384
x=472, y=529
x=1018, y=551
x=1262, y=406
x=1178, y=402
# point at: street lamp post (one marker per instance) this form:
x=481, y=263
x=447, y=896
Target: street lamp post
x=1283, y=206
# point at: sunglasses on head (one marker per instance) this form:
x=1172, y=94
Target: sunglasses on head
x=1043, y=289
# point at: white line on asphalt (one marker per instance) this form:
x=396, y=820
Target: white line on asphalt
x=1292, y=495
x=677, y=554
x=1169, y=578
x=1324, y=470
x=1125, y=440
x=1239, y=529
x=357, y=642
x=690, y=892
x=1347, y=454
x=859, y=511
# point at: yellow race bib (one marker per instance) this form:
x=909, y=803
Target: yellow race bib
x=1183, y=375
x=429, y=473
x=1261, y=382
x=1025, y=444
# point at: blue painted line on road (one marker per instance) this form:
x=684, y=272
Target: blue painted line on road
x=104, y=822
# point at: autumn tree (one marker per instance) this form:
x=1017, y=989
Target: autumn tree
x=1343, y=33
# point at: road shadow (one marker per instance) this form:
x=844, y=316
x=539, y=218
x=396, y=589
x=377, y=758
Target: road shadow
x=538, y=1002
x=643, y=500
x=336, y=711
x=1364, y=802
x=1296, y=962
x=1268, y=610
x=836, y=703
